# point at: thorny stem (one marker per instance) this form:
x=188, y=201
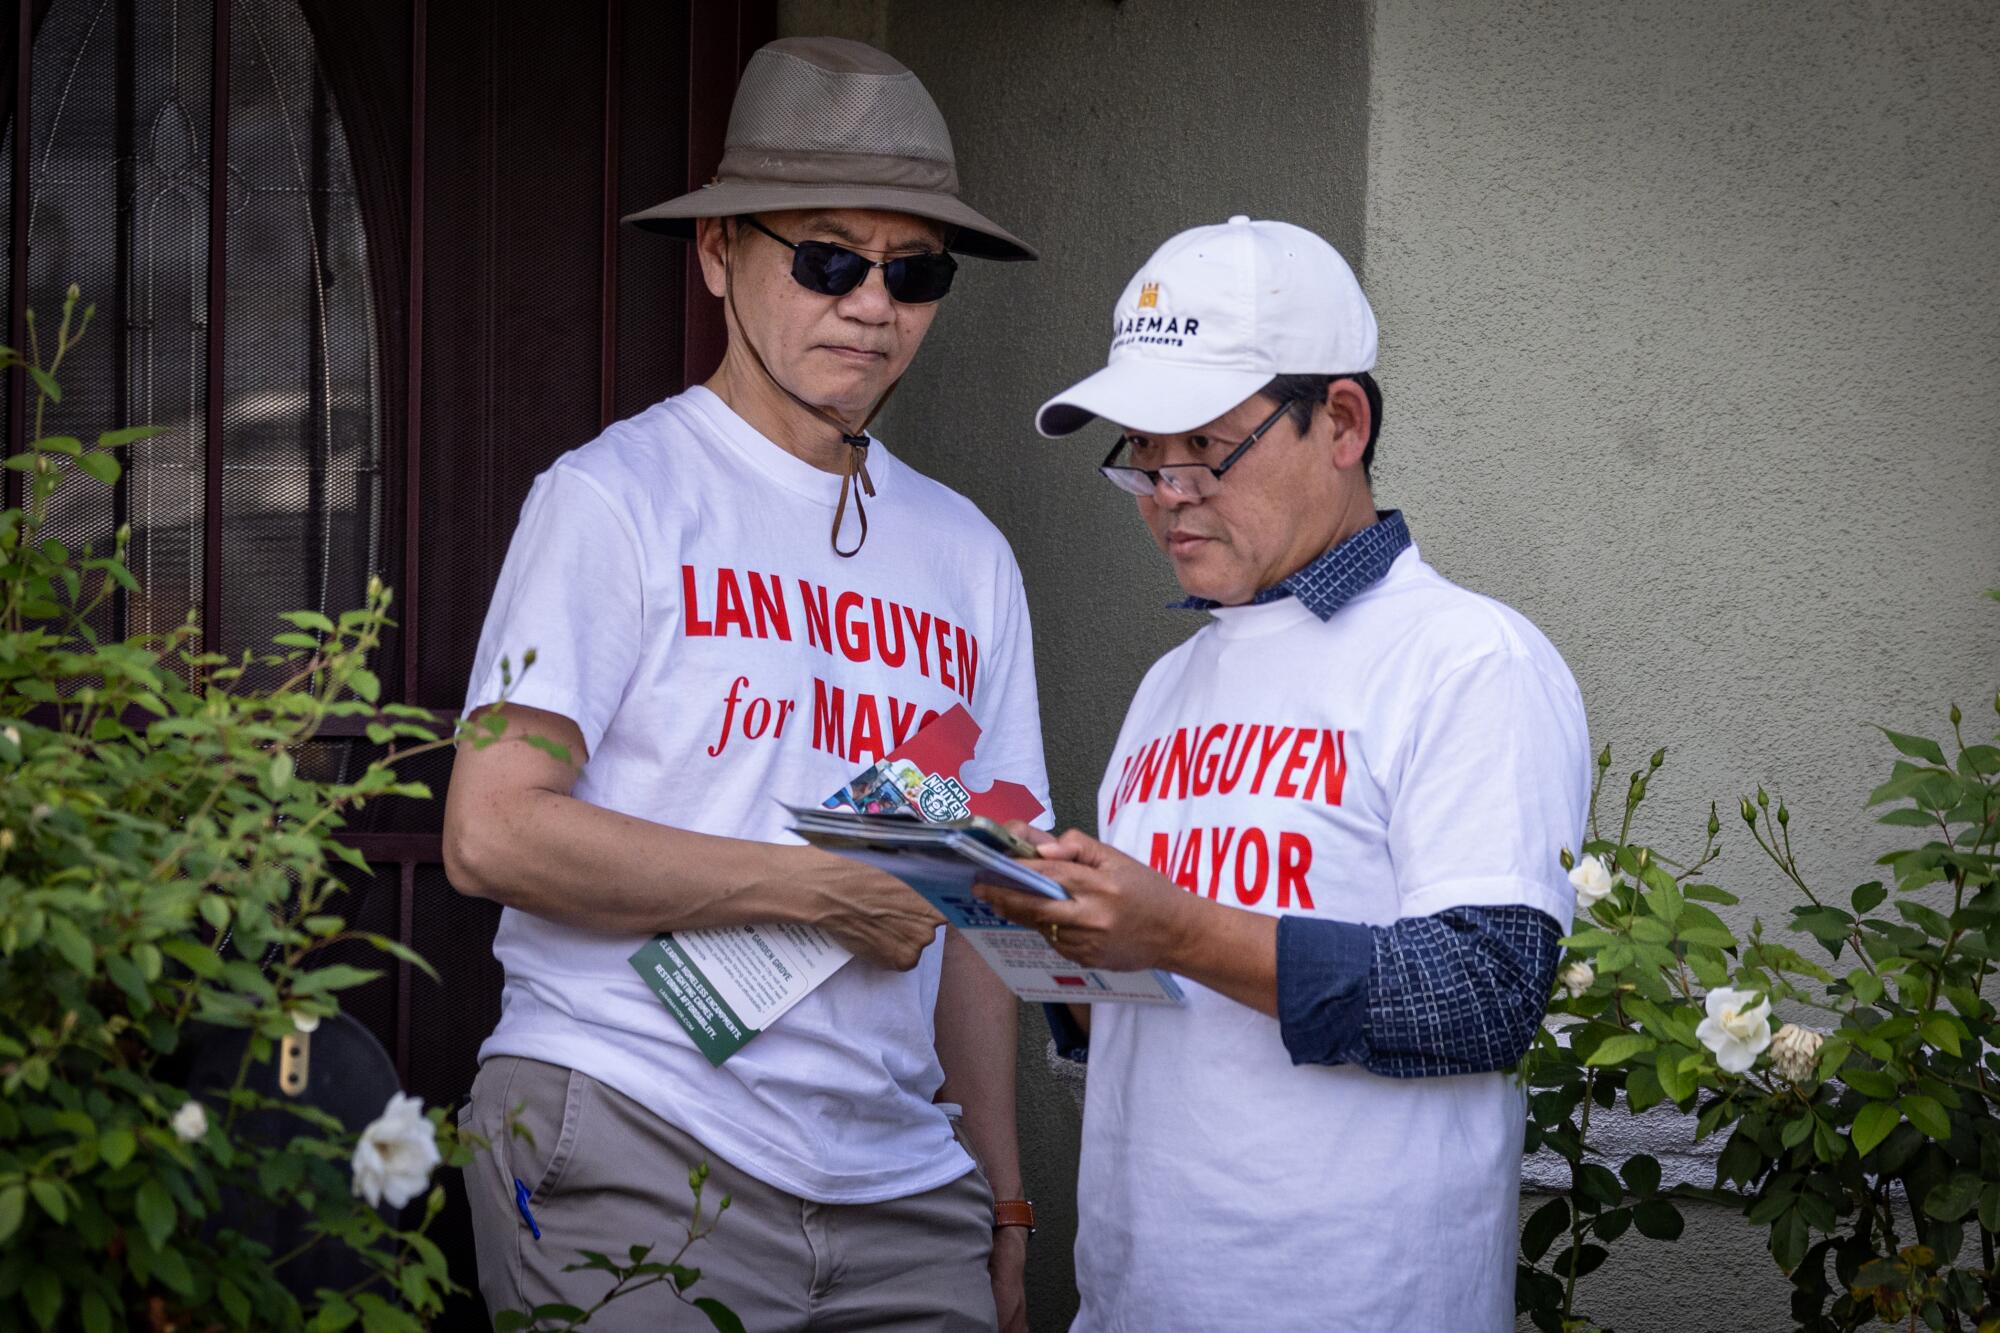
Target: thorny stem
x=1576, y=1212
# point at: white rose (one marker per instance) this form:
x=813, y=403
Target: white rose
x=190, y=1122
x=396, y=1154
x=1592, y=881
x=1795, y=1052
x=1576, y=978
x=1735, y=1029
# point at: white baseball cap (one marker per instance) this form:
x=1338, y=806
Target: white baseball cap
x=1211, y=318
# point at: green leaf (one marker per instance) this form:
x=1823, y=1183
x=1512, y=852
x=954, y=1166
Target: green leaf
x=13, y=1200
x=511, y=1321
x=197, y=958
x=72, y=944
x=154, y=1208
x=339, y=976
x=50, y=1196
x=1651, y=930
x=1927, y=919
x=124, y=435
x=96, y=1315
x=1642, y=1089
x=557, y=1310
x=233, y=1300
x=1709, y=893
x=399, y=950
x=1941, y=1030
x=1868, y=897
x=1678, y=1084
x=1927, y=1115
x=1666, y=900
x=720, y=1315
x=1989, y=1207
x=45, y=1295
x=1621, y=1047
x=1642, y=1174
x=116, y=1146
x=124, y=974
x=1658, y=1219
x=1954, y=1198
x=101, y=466
x=1543, y=1226
x=1873, y=1124
x=1871, y=1083
x=366, y=684
x=1790, y=1238
x=335, y=1313
x=309, y=620
x=171, y=1268
x=1596, y=1182
x=1917, y=747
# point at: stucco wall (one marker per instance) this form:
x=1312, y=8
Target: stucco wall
x=1690, y=335
x=1689, y=330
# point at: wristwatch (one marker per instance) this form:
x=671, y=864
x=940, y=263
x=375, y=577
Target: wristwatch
x=1014, y=1213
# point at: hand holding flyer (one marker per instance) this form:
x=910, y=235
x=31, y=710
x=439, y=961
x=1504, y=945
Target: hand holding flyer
x=726, y=984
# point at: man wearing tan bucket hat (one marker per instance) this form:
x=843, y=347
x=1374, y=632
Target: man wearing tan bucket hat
x=739, y=597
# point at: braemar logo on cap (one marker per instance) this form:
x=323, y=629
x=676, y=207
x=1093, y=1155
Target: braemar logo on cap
x=1212, y=317
x=1152, y=323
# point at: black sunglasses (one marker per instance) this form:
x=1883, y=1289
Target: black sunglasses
x=834, y=270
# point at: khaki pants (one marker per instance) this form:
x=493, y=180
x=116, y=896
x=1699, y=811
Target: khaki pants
x=606, y=1174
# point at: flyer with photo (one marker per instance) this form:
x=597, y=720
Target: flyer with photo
x=941, y=861
x=727, y=984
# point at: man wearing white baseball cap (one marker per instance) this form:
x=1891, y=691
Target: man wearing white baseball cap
x=1337, y=810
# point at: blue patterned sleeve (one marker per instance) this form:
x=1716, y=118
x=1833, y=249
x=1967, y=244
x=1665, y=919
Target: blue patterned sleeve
x=1461, y=992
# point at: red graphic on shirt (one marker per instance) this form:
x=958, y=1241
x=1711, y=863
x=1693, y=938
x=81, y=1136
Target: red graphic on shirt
x=1296, y=763
x=942, y=748
x=842, y=623
x=1209, y=860
x=859, y=726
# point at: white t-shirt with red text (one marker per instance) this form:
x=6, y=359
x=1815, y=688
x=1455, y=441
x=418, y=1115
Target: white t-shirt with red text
x=675, y=579
x=1423, y=749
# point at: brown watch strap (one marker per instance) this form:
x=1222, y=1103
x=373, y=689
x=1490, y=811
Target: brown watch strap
x=1014, y=1213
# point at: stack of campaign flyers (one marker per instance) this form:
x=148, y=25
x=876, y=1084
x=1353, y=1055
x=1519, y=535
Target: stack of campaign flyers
x=911, y=816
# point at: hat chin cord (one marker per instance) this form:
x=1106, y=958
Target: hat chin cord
x=856, y=440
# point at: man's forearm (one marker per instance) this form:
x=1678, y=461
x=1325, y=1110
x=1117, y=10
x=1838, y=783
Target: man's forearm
x=570, y=861
x=977, y=1021
x=1232, y=951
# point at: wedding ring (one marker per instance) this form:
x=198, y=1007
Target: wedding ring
x=1055, y=932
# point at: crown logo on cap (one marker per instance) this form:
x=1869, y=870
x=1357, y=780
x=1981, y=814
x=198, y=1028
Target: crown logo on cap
x=1149, y=296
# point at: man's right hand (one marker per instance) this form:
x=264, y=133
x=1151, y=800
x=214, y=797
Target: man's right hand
x=874, y=915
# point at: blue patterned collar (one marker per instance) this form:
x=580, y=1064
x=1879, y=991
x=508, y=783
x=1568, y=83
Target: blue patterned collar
x=1338, y=577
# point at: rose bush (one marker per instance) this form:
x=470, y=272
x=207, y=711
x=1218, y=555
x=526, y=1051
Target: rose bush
x=1861, y=1136
x=169, y=867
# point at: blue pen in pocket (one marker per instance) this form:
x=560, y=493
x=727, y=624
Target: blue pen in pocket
x=521, y=1203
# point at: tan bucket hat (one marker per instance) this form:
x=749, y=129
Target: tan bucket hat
x=824, y=122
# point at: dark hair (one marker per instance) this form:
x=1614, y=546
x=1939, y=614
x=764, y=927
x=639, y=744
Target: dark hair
x=1302, y=393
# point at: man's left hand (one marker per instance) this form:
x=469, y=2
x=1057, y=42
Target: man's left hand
x=1122, y=915
x=1009, y=1267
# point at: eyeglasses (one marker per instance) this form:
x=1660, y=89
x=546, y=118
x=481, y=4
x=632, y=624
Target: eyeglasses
x=834, y=270
x=1192, y=481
